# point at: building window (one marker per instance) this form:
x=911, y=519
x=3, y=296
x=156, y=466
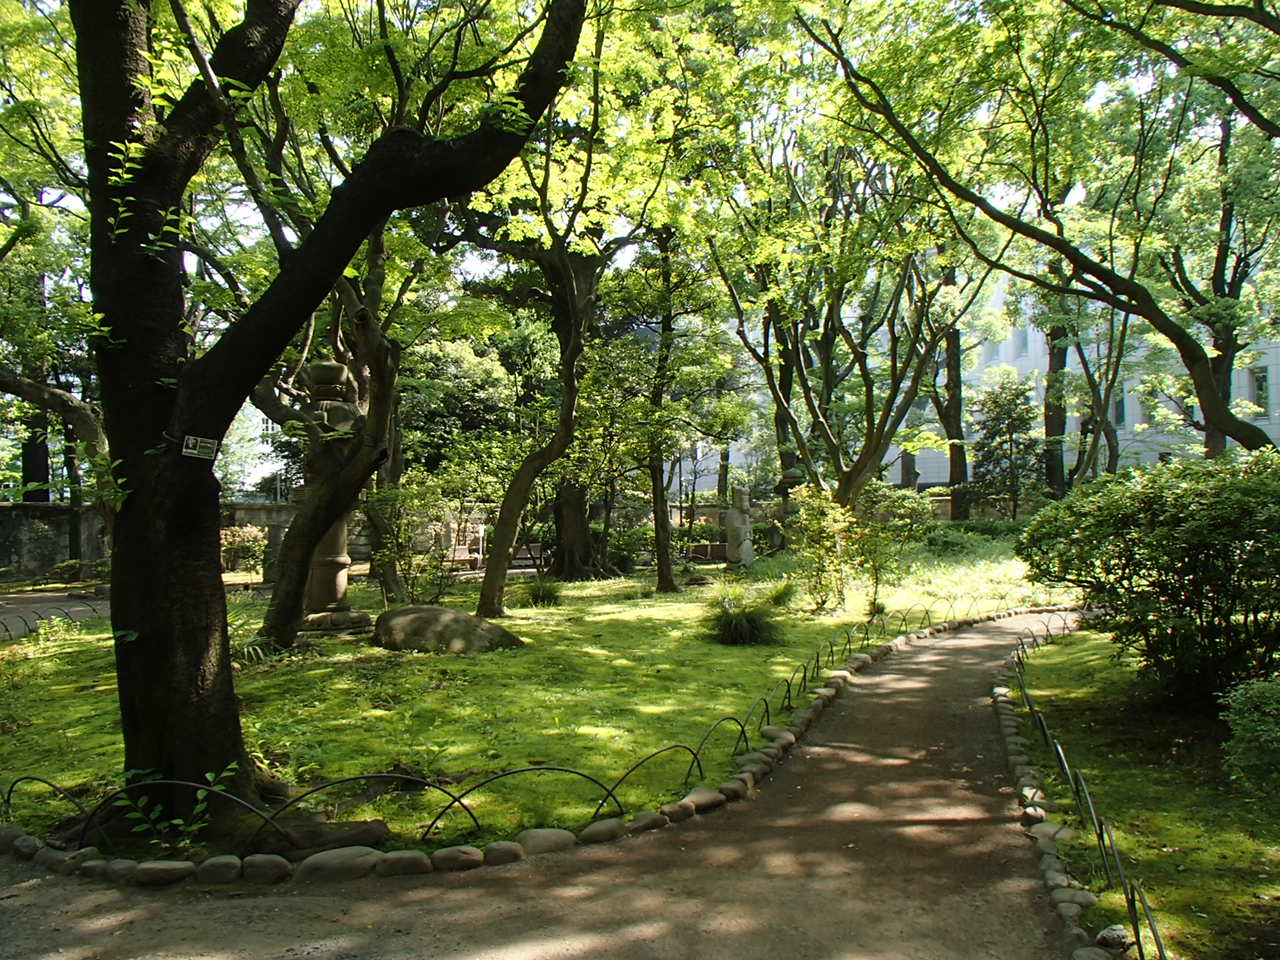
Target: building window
x=1260, y=390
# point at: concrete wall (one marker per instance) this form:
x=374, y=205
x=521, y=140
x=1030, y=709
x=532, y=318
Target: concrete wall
x=35, y=536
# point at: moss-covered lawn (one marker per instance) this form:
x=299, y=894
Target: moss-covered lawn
x=1206, y=852
x=613, y=673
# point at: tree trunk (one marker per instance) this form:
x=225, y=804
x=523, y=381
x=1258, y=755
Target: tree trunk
x=659, y=479
x=178, y=711
x=950, y=410
x=909, y=476
x=35, y=457
x=604, y=566
x=166, y=409
x=1113, y=446
x=575, y=557
x=503, y=538
x=573, y=279
x=1055, y=413
x=662, y=557
x=383, y=564
x=328, y=500
x=75, y=495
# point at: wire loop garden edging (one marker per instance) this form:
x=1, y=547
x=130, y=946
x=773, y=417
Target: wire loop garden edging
x=828, y=653
x=1103, y=837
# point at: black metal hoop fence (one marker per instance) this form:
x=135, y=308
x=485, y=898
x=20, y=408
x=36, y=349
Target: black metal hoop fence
x=30, y=621
x=783, y=695
x=1137, y=906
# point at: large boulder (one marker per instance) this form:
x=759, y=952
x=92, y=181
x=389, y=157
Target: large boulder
x=440, y=629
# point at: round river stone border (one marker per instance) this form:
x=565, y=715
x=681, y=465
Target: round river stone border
x=1070, y=898
x=355, y=862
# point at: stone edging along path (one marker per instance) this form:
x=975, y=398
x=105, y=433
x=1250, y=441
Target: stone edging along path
x=1068, y=896
x=354, y=862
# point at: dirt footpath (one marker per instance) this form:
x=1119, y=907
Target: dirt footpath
x=890, y=833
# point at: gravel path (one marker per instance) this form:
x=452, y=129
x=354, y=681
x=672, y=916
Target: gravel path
x=890, y=833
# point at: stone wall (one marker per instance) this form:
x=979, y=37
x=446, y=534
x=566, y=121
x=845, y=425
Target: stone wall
x=35, y=537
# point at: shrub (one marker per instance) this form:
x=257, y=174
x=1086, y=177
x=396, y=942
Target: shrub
x=733, y=620
x=763, y=533
x=996, y=528
x=66, y=571
x=543, y=592
x=871, y=537
x=626, y=546
x=407, y=521
x=707, y=533
x=819, y=533
x=1252, y=755
x=1183, y=561
x=243, y=547
x=949, y=540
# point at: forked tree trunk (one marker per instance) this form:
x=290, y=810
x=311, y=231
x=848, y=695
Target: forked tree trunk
x=161, y=403
x=575, y=557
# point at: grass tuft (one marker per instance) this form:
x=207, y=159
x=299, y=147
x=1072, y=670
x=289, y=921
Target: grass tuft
x=735, y=620
x=543, y=592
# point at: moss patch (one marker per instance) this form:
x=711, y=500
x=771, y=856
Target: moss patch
x=613, y=673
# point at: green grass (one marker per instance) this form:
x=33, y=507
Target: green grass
x=611, y=674
x=1206, y=853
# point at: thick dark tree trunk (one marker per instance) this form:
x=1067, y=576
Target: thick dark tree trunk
x=178, y=711
x=1055, y=413
x=165, y=409
x=575, y=557
x=35, y=457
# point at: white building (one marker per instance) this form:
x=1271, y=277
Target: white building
x=1142, y=438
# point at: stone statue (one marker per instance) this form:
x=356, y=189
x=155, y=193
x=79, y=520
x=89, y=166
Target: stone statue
x=737, y=528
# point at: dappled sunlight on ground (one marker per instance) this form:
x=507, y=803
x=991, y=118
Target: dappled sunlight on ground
x=888, y=837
